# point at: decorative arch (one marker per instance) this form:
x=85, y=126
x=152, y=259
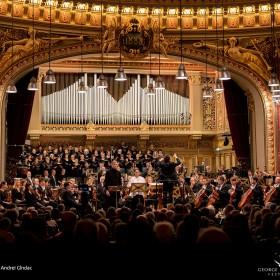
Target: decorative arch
x=24, y=65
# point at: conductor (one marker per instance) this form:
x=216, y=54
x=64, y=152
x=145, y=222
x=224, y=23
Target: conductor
x=168, y=176
x=112, y=178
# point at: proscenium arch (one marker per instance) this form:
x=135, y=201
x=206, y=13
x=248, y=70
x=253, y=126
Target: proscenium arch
x=254, y=86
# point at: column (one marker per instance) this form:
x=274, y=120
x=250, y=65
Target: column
x=196, y=102
x=228, y=161
x=218, y=161
x=233, y=158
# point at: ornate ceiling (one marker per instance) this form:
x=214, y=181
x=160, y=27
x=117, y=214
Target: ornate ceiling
x=246, y=38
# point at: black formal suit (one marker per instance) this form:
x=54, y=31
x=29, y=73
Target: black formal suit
x=168, y=175
x=112, y=178
x=257, y=196
x=237, y=196
x=223, y=196
x=69, y=200
x=53, y=181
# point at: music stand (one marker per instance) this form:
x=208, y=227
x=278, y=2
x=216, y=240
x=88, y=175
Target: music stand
x=115, y=189
x=138, y=188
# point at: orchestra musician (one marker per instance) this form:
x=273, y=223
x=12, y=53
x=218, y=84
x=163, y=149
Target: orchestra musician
x=137, y=196
x=112, y=178
x=17, y=191
x=5, y=195
x=222, y=189
x=205, y=190
x=68, y=195
x=168, y=176
x=235, y=191
x=31, y=196
x=273, y=195
x=257, y=194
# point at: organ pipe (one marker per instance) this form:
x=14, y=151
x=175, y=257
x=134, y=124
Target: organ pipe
x=67, y=106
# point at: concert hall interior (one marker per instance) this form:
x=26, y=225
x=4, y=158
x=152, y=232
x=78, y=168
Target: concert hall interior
x=129, y=127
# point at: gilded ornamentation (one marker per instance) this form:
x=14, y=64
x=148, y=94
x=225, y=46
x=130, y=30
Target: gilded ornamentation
x=110, y=37
x=249, y=20
x=220, y=105
x=144, y=126
x=90, y=127
x=209, y=113
x=264, y=19
x=3, y=7
x=250, y=101
x=201, y=22
x=171, y=22
x=135, y=40
x=195, y=79
x=159, y=42
x=20, y=48
x=233, y=21
x=252, y=58
x=187, y=22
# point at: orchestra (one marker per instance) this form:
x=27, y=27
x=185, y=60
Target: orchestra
x=151, y=179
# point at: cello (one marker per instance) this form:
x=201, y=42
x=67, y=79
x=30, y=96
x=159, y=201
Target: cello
x=199, y=197
x=246, y=197
x=269, y=195
x=213, y=197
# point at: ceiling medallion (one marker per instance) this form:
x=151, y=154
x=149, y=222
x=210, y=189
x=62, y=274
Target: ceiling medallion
x=135, y=40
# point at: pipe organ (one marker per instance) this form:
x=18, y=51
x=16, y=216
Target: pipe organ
x=67, y=106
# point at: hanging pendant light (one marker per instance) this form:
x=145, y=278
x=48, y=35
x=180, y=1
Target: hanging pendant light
x=120, y=75
x=273, y=81
x=181, y=73
x=11, y=87
x=219, y=87
x=150, y=90
x=50, y=77
x=102, y=82
x=207, y=92
x=159, y=82
x=82, y=88
x=33, y=86
x=224, y=74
